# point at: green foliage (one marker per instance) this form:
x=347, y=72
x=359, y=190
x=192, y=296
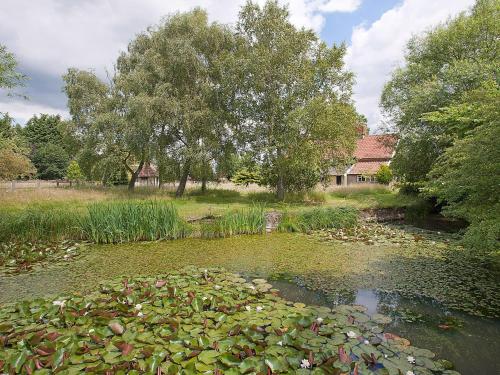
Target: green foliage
x=9, y=76
x=319, y=218
x=74, y=173
x=51, y=161
x=441, y=65
x=132, y=221
x=246, y=221
x=246, y=177
x=384, y=175
x=44, y=129
x=296, y=96
x=14, y=162
x=465, y=178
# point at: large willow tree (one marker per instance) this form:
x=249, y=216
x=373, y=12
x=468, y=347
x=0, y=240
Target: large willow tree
x=296, y=96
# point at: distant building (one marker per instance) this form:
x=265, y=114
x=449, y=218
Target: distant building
x=372, y=151
x=148, y=176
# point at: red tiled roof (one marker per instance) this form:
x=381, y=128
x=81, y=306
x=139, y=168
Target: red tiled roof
x=375, y=147
x=366, y=167
x=148, y=171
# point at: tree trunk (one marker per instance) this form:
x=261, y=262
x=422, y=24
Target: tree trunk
x=203, y=184
x=280, y=188
x=182, y=182
x=133, y=178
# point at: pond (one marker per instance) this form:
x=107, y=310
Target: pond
x=399, y=271
x=472, y=344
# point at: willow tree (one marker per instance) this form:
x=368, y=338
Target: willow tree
x=296, y=96
x=173, y=75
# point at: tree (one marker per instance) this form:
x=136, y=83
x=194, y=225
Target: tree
x=384, y=175
x=14, y=162
x=10, y=78
x=441, y=65
x=177, y=69
x=74, y=173
x=246, y=177
x=51, y=161
x=296, y=97
x=466, y=177
x=110, y=120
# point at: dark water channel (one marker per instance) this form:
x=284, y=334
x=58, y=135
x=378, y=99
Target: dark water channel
x=471, y=343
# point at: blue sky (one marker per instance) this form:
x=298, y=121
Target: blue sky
x=338, y=26
x=49, y=36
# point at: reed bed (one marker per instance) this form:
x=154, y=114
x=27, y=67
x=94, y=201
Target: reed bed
x=39, y=223
x=246, y=221
x=318, y=218
x=128, y=221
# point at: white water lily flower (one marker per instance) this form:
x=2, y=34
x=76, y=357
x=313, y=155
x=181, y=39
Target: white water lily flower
x=411, y=359
x=351, y=334
x=138, y=306
x=91, y=330
x=248, y=308
x=319, y=320
x=258, y=308
x=410, y=372
x=366, y=342
x=280, y=343
x=59, y=303
x=305, y=364
x=140, y=314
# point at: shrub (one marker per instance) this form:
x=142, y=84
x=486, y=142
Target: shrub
x=246, y=177
x=318, y=218
x=133, y=221
x=247, y=221
x=384, y=175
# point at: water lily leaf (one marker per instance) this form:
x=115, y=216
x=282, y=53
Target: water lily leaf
x=208, y=356
x=276, y=364
x=229, y=360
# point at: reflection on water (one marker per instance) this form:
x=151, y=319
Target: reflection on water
x=471, y=343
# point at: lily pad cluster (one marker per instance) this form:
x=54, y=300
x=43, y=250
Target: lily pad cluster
x=383, y=234
x=17, y=257
x=197, y=321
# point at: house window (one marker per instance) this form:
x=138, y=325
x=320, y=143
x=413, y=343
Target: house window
x=361, y=178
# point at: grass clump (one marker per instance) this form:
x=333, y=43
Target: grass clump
x=246, y=221
x=129, y=221
x=39, y=223
x=318, y=218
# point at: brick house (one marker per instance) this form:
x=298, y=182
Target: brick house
x=372, y=151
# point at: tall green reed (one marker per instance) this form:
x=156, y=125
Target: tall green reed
x=318, y=218
x=129, y=221
x=245, y=221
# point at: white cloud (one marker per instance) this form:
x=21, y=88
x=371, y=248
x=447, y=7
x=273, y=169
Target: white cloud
x=377, y=49
x=22, y=110
x=340, y=5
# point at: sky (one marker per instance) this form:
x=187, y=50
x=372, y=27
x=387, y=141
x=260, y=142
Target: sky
x=50, y=36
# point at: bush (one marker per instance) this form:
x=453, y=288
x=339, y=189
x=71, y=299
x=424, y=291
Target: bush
x=384, y=175
x=246, y=177
x=133, y=221
x=247, y=221
x=319, y=218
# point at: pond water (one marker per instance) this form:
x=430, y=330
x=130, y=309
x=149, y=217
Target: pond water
x=352, y=269
x=472, y=344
